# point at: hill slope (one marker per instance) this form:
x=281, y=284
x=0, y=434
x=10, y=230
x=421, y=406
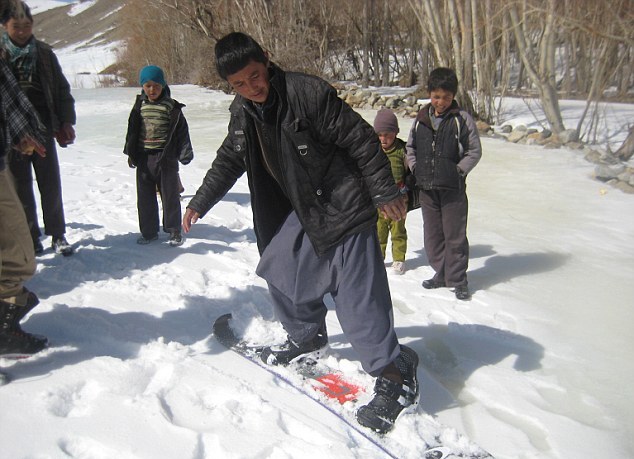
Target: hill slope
x=79, y=25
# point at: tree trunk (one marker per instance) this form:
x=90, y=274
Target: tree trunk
x=387, y=27
x=365, y=82
x=540, y=68
x=626, y=151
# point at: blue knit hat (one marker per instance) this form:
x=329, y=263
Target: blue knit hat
x=152, y=73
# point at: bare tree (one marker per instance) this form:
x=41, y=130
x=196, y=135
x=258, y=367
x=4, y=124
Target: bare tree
x=580, y=47
x=535, y=35
x=626, y=151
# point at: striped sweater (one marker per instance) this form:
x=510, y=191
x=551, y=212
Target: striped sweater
x=155, y=125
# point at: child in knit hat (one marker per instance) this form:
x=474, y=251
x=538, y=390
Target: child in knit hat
x=386, y=127
x=156, y=141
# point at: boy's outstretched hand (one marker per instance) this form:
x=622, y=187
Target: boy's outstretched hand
x=190, y=217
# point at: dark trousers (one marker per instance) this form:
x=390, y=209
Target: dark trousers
x=150, y=175
x=445, y=234
x=354, y=275
x=49, y=183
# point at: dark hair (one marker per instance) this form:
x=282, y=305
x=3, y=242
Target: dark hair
x=234, y=52
x=443, y=78
x=14, y=10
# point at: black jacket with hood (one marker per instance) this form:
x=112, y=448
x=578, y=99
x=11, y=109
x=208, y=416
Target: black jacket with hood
x=178, y=146
x=333, y=172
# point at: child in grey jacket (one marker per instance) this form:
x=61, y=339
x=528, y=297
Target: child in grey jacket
x=442, y=148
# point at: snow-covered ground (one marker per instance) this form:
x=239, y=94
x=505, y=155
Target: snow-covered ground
x=535, y=362
x=536, y=365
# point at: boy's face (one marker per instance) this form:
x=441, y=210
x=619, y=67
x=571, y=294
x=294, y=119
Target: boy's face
x=19, y=30
x=252, y=82
x=441, y=100
x=387, y=139
x=152, y=90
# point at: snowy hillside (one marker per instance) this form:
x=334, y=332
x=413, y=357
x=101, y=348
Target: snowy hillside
x=85, y=36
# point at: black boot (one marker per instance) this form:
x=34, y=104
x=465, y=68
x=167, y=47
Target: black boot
x=392, y=397
x=290, y=351
x=14, y=340
x=31, y=301
x=61, y=245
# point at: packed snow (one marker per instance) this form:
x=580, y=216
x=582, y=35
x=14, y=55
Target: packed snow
x=536, y=365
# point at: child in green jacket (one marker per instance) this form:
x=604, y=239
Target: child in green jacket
x=386, y=127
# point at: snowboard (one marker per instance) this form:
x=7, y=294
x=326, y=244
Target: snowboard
x=328, y=387
x=331, y=384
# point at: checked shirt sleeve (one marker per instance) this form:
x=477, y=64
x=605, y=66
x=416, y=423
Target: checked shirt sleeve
x=20, y=118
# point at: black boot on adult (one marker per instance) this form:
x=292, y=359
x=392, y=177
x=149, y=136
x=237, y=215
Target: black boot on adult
x=392, y=394
x=290, y=351
x=14, y=340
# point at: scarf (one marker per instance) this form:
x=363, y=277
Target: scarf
x=22, y=60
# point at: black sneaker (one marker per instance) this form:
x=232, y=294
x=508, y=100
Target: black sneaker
x=38, y=248
x=176, y=239
x=462, y=292
x=290, y=351
x=431, y=284
x=390, y=397
x=146, y=240
x=60, y=245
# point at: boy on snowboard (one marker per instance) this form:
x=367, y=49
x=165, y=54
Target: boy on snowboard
x=316, y=175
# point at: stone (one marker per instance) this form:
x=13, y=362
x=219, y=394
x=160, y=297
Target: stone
x=624, y=187
x=392, y=102
x=568, y=135
x=575, y=145
x=483, y=126
x=605, y=172
x=517, y=135
x=593, y=156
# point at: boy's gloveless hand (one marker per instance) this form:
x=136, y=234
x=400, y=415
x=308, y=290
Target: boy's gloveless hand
x=190, y=217
x=28, y=145
x=395, y=210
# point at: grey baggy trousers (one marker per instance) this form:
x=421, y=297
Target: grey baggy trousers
x=445, y=234
x=354, y=275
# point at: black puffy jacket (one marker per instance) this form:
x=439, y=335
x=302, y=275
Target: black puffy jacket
x=334, y=172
